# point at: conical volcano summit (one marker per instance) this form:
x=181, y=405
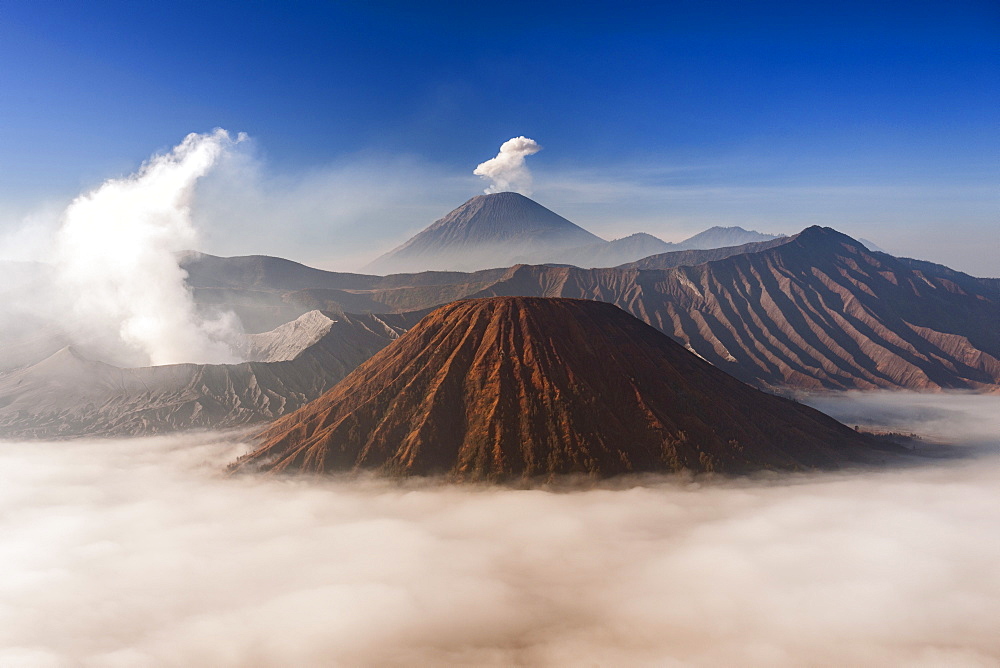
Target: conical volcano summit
x=487, y=231
x=515, y=387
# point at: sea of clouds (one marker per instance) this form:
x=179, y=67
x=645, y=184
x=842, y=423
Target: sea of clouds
x=143, y=553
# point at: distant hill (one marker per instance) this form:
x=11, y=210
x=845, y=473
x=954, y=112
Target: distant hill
x=688, y=258
x=266, y=292
x=719, y=237
x=870, y=245
x=603, y=253
x=512, y=387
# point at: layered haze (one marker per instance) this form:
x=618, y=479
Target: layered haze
x=140, y=552
x=343, y=213
x=116, y=259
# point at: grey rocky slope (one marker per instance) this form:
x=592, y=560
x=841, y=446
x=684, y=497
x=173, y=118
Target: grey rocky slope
x=69, y=395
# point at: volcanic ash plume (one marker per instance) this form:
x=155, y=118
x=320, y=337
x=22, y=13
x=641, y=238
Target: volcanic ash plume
x=507, y=171
x=116, y=262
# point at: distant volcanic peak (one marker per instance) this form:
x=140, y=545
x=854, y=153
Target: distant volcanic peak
x=67, y=360
x=520, y=387
x=504, y=216
x=486, y=231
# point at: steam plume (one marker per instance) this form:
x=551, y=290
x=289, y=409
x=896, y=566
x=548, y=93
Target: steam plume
x=115, y=257
x=507, y=171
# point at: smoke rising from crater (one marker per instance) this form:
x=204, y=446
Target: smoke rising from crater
x=108, y=278
x=136, y=553
x=115, y=256
x=507, y=172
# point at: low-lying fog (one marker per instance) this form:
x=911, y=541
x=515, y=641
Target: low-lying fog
x=139, y=552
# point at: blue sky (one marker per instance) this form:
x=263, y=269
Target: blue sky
x=877, y=118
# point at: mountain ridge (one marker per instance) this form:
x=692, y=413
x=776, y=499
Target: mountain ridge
x=773, y=316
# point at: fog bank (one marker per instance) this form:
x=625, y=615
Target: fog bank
x=956, y=416
x=140, y=553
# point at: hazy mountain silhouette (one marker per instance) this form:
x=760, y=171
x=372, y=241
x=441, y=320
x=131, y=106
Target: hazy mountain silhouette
x=486, y=231
x=507, y=228
x=719, y=237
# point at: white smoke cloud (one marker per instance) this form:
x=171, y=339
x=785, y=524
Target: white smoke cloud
x=116, y=251
x=507, y=171
x=110, y=282
x=337, y=216
x=139, y=553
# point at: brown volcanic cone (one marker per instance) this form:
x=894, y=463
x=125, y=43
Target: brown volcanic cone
x=521, y=387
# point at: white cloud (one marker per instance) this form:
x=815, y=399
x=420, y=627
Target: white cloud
x=115, y=260
x=140, y=553
x=109, y=279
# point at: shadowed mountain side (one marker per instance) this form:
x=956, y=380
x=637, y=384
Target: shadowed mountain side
x=491, y=389
x=820, y=311
x=687, y=258
x=68, y=395
x=275, y=274
x=402, y=299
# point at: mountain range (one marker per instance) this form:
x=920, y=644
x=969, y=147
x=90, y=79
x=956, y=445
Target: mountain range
x=811, y=311
x=508, y=228
x=817, y=310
